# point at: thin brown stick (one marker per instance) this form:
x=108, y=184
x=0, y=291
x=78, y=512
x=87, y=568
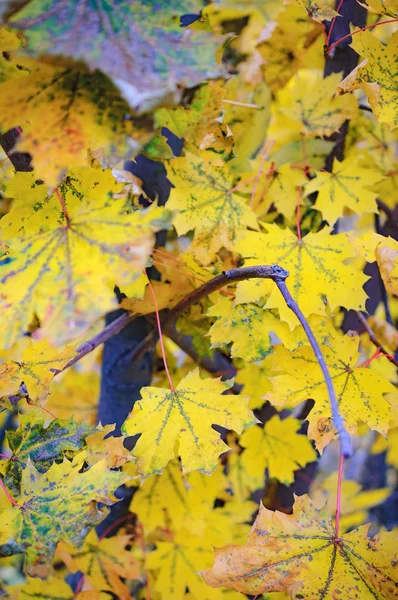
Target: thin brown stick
x=363, y=320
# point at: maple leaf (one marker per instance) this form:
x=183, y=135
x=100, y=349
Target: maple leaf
x=87, y=113
x=178, y=563
x=319, y=10
x=355, y=502
x=57, y=505
x=382, y=7
x=359, y=390
x=346, y=187
x=387, y=260
x=301, y=553
x=247, y=326
x=197, y=122
x=308, y=105
x=48, y=235
x=101, y=445
x=75, y=394
x=277, y=447
x=204, y=200
x=176, y=501
x=285, y=49
x=36, y=589
x=256, y=382
x=316, y=266
x=375, y=75
x=42, y=445
x=123, y=40
x=185, y=416
x=103, y=562
x=33, y=368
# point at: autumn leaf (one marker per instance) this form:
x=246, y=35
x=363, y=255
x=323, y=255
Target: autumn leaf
x=375, y=75
x=185, y=417
x=75, y=395
x=100, y=444
x=300, y=553
x=42, y=445
x=387, y=260
x=34, y=368
x=103, y=562
x=247, y=326
x=316, y=266
x=359, y=390
x=58, y=505
x=308, y=105
x=319, y=10
x=355, y=502
x=382, y=7
x=87, y=114
x=196, y=123
x=175, y=501
x=277, y=447
x=204, y=200
x=346, y=187
x=288, y=46
x=36, y=589
x=177, y=564
x=123, y=41
x=48, y=235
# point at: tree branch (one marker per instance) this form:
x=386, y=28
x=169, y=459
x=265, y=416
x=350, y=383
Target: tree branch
x=278, y=275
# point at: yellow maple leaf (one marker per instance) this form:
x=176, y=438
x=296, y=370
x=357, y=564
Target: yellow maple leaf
x=381, y=7
x=355, y=502
x=185, y=416
x=49, y=234
x=34, y=368
x=346, y=187
x=177, y=564
x=35, y=588
x=319, y=10
x=204, y=201
x=75, y=394
x=387, y=260
x=292, y=44
x=359, y=390
x=316, y=266
x=301, y=553
x=101, y=445
x=308, y=106
x=87, y=113
x=256, y=383
x=247, y=326
x=277, y=447
x=197, y=123
x=375, y=75
x=103, y=562
x=174, y=501
x=58, y=505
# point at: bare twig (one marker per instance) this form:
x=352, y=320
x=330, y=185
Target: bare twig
x=345, y=440
x=274, y=272
x=374, y=340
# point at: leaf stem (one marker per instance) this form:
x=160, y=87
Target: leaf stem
x=161, y=335
x=338, y=499
x=345, y=37
x=333, y=22
x=7, y=493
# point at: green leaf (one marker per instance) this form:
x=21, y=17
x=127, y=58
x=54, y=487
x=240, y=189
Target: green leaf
x=139, y=45
x=43, y=445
